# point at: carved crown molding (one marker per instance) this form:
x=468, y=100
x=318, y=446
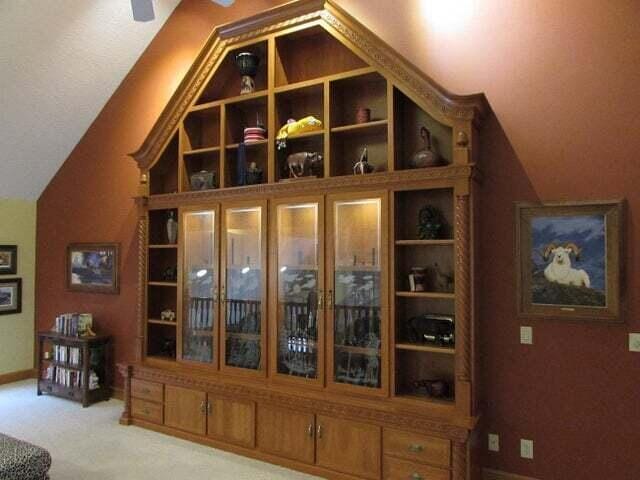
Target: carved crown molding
x=437, y=100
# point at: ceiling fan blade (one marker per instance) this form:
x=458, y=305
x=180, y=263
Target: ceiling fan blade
x=142, y=10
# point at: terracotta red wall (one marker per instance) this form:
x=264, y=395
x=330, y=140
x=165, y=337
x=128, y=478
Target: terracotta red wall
x=562, y=79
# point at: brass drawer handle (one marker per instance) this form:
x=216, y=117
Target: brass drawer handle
x=209, y=408
x=416, y=476
x=319, y=431
x=310, y=430
x=203, y=407
x=415, y=448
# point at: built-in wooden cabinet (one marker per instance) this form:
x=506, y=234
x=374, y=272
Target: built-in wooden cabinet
x=286, y=433
x=232, y=421
x=283, y=321
x=185, y=409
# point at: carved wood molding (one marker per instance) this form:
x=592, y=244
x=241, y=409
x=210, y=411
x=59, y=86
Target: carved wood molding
x=459, y=461
x=403, y=178
x=402, y=420
x=126, y=371
x=463, y=288
x=222, y=39
x=143, y=225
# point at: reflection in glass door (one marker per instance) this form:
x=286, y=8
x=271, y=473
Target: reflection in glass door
x=356, y=307
x=200, y=286
x=244, y=290
x=298, y=289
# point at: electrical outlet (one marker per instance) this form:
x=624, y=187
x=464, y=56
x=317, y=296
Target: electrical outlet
x=526, y=335
x=526, y=448
x=494, y=442
x=634, y=342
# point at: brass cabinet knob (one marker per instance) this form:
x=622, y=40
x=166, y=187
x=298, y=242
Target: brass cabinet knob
x=203, y=407
x=319, y=431
x=310, y=430
x=209, y=408
x=415, y=448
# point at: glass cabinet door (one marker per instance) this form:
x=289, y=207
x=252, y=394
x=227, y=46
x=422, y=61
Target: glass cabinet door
x=200, y=277
x=243, y=288
x=299, y=294
x=356, y=300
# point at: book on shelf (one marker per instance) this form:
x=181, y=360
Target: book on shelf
x=70, y=355
x=73, y=324
x=70, y=378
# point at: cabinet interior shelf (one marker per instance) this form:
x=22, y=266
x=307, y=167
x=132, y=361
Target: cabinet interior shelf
x=161, y=322
x=163, y=246
x=202, y=150
x=425, y=399
x=359, y=126
x=315, y=133
x=426, y=243
x=233, y=146
x=358, y=350
x=319, y=81
x=231, y=100
x=445, y=296
x=425, y=348
x=163, y=284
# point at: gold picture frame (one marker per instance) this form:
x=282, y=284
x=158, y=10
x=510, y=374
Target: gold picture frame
x=93, y=267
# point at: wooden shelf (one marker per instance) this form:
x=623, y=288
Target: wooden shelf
x=198, y=333
x=231, y=100
x=426, y=243
x=161, y=322
x=328, y=78
x=358, y=350
x=257, y=143
x=358, y=268
x=244, y=336
x=162, y=284
x=157, y=359
x=425, y=399
x=359, y=126
x=167, y=246
x=202, y=150
x=447, y=296
x=316, y=133
x=425, y=348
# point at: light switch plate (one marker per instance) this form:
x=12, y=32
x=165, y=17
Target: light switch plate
x=526, y=448
x=494, y=442
x=526, y=335
x=634, y=342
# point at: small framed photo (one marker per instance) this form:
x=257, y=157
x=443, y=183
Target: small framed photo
x=569, y=260
x=93, y=267
x=10, y=296
x=8, y=259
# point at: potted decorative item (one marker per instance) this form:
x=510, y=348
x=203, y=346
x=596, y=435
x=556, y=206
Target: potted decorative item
x=247, y=63
x=253, y=175
x=172, y=228
x=426, y=157
x=430, y=223
x=363, y=166
x=203, y=180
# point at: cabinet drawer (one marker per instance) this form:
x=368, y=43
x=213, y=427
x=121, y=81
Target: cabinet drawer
x=149, y=411
x=396, y=469
x=146, y=390
x=418, y=448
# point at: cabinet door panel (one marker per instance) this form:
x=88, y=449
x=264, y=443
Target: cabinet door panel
x=349, y=447
x=243, y=296
x=297, y=290
x=232, y=421
x=356, y=304
x=185, y=409
x=199, y=286
x=286, y=433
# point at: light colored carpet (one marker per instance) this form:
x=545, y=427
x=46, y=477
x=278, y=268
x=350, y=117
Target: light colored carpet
x=88, y=443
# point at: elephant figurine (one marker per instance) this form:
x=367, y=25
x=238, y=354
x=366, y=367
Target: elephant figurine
x=304, y=164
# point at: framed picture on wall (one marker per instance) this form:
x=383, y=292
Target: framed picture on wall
x=93, y=267
x=8, y=259
x=10, y=296
x=569, y=260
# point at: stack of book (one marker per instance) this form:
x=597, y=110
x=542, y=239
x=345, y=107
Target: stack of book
x=73, y=324
x=70, y=355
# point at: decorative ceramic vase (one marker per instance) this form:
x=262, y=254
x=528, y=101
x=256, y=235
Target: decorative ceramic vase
x=362, y=167
x=363, y=115
x=425, y=157
x=247, y=63
x=172, y=229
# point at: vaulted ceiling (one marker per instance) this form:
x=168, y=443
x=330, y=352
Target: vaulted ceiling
x=60, y=61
